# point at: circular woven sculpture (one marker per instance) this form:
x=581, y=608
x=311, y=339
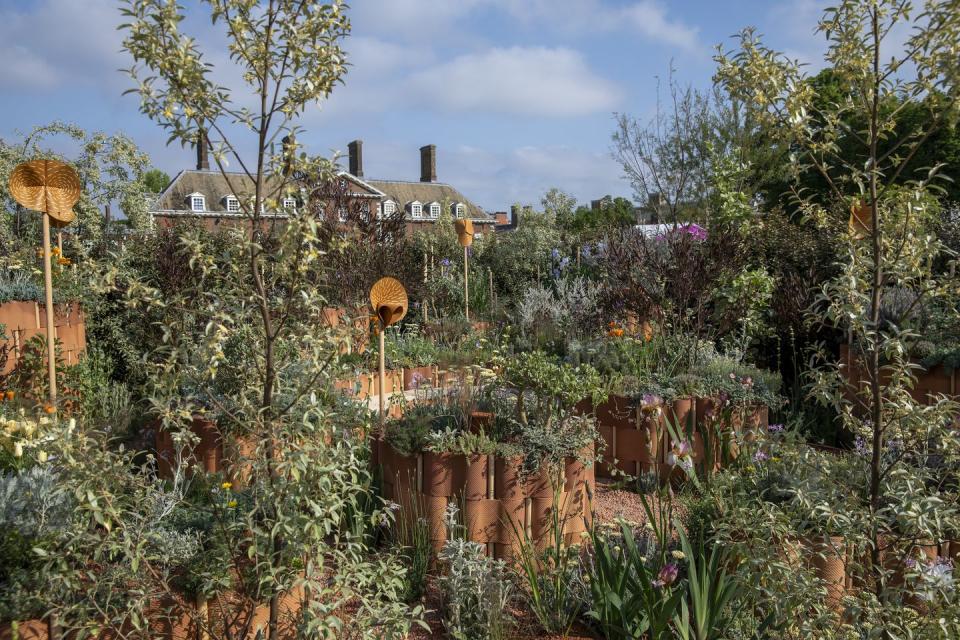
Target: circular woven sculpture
x=861, y=220
x=48, y=186
x=388, y=299
x=464, y=232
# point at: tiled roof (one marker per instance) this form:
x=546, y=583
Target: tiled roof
x=404, y=192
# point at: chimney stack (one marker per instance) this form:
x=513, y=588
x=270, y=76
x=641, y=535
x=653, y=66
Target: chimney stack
x=203, y=161
x=428, y=163
x=356, y=158
x=289, y=151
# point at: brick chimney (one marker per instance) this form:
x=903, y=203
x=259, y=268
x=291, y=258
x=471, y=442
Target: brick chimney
x=289, y=151
x=428, y=163
x=356, y=157
x=203, y=160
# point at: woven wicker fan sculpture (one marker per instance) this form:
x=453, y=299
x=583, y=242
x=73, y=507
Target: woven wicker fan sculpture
x=464, y=228
x=388, y=299
x=464, y=232
x=861, y=220
x=52, y=188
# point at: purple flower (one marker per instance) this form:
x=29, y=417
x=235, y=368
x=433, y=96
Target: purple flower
x=775, y=428
x=651, y=400
x=555, y=253
x=668, y=574
x=445, y=262
x=760, y=456
x=696, y=231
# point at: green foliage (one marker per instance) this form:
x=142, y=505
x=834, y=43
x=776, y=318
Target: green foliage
x=477, y=592
x=710, y=606
x=626, y=604
x=111, y=169
x=155, y=181
x=551, y=571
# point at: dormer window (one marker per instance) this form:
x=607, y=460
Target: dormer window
x=197, y=202
x=232, y=204
x=289, y=204
x=459, y=210
x=434, y=209
x=389, y=208
x=416, y=209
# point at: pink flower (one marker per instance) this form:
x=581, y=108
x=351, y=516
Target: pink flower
x=668, y=574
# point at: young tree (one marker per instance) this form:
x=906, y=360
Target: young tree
x=111, y=169
x=244, y=336
x=889, y=244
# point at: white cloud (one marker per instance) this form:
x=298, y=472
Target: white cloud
x=650, y=18
x=59, y=42
x=535, y=81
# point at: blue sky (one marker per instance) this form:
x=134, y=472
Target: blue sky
x=518, y=95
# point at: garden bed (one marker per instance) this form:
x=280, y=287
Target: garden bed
x=25, y=320
x=498, y=507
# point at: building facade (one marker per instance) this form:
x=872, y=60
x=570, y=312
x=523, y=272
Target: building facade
x=214, y=198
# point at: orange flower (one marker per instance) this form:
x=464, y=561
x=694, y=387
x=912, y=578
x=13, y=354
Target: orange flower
x=615, y=333
x=64, y=261
x=49, y=408
x=10, y=395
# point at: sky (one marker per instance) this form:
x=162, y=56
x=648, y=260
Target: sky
x=518, y=95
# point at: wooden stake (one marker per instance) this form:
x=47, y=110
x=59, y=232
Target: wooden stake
x=383, y=378
x=466, y=288
x=493, y=297
x=48, y=297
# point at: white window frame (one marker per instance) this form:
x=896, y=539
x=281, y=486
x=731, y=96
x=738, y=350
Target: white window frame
x=416, y=209
x=434, y=210
x=389, y=208
x=341, y=214
x=194, y=198
x=232, y=204
x=290, y=203
x=459, y=210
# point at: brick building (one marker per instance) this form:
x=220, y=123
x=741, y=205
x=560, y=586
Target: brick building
x=214, y=198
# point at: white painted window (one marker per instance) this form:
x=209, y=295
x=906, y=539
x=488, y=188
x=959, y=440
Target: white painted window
x=416, y=209
x=341, y=214
x=233, y=205
x=459, y=209
x=389, y=208
x=198, y=203
x=289, y=203
x=477, y=235
x=434, y=210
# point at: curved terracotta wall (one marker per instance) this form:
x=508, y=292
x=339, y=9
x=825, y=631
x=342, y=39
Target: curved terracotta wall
x=495, y=503
x=24, y=320
x=636, y=443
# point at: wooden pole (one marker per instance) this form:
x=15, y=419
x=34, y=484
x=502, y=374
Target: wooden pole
x=493, y=296
x=466, y=287
x=48, y=298
x=383, y=377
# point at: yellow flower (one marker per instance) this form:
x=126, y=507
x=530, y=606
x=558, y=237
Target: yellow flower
x=232, y=504
x=677, y=554
x=41, y=456
x=226, y=485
